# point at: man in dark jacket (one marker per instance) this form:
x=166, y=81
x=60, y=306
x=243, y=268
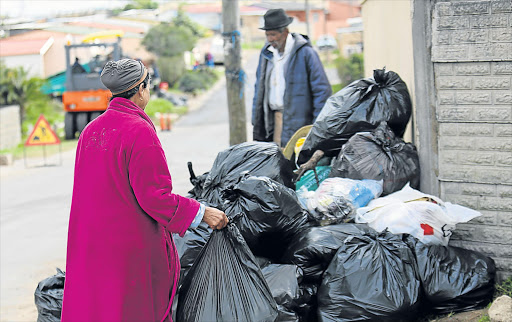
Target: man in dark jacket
x=291, y=84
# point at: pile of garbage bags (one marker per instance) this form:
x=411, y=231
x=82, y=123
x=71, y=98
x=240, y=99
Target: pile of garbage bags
x=353, y=239
x=390, y=260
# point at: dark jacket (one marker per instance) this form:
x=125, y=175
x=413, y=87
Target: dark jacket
x=307, y=89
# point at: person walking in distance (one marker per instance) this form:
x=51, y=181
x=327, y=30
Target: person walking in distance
x=291, y=84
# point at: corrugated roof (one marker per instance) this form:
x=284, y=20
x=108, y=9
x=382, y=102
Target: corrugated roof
x=18, y=47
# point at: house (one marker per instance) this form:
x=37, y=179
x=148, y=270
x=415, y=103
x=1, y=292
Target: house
x=297, y=10
x=336, y=18
x=456, y=58
x=29, y=53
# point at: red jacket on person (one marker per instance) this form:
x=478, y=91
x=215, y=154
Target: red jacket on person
x=122, y=264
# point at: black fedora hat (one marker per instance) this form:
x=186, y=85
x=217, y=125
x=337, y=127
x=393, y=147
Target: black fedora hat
x=275, y=19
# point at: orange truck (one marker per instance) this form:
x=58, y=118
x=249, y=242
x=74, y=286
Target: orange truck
x=85, y=96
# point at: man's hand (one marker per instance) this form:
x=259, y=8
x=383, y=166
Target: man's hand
x=309, y=165
x=215, y=218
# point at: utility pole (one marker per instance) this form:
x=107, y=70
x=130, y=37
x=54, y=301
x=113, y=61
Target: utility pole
x=307, y=20
x=235, y=76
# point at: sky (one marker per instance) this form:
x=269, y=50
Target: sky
x=46, y=8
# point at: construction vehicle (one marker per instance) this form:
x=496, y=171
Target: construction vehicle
x=85, y=97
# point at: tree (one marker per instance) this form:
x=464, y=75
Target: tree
x=21, y=88
x=183, y=20
x=141, y=4
x=4, y=84
x=16, y=87
x=168, y=41
x=136, y=4
x=350, y=69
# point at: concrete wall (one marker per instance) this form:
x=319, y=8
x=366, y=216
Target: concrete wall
x=387, y=39
x=456, y=58
x=54, y=59
x=472, y=60
x=316, y=22
x=10, y=129
x=31, y=63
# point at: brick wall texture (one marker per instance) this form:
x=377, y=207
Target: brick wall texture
x=10, y=130
x=472, y=57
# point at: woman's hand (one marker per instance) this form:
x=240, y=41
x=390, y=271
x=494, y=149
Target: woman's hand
x=215, y=218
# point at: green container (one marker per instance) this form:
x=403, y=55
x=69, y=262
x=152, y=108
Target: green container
x=308, y=179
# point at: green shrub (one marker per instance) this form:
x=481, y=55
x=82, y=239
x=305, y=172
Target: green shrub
x=485, y=318
x=52, y=111
x=350, y=69
x=336, y=88
x=191, y=82
x=196, y=80
x=158, y=105
x=210, y=76
x=171, y=69
x=505, y=288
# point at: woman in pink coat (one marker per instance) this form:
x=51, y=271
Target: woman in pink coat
x=122, y=263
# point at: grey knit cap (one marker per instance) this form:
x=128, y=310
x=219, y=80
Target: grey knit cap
x=122, y=75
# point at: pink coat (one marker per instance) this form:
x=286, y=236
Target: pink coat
x=122, y=264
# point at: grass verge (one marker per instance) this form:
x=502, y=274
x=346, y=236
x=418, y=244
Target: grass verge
x=39, y=151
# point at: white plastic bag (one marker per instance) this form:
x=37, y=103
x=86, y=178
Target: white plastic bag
x=410, y=211
x=336, y=199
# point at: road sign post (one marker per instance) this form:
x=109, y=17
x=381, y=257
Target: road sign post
x=43, y=135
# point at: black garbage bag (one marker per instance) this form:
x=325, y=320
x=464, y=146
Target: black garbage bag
x=454, y=279
x=359, y=107
x=190, y=245
x=225, y=283
x=307, y=303
x=283, y=281
x=313, y=249
x=272, y=214
x=254, y=158
x=197, y=182
x=262, y=261
x=48, y=297
x=379, y=155
x=371, y=277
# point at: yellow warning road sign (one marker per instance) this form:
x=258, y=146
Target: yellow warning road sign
x=42, y=133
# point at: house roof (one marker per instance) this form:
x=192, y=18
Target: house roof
x=286, y=5
x=215, y=8
x=17, y=47
x=31, y=42
x=109, y=26
x=85, y=29
x=203, y=8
